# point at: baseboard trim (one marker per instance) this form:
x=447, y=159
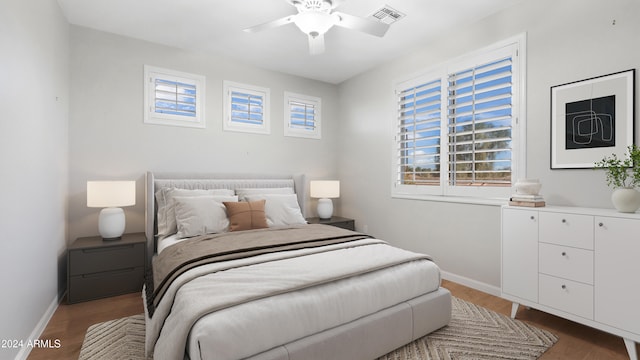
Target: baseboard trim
x=474, y=284
x=39, y=329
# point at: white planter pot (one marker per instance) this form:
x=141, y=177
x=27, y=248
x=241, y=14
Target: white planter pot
x=626, y=200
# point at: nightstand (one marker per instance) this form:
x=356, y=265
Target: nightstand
x=338, y=221
x=98, y=268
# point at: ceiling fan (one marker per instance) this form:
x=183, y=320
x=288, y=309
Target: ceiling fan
x=315, y=18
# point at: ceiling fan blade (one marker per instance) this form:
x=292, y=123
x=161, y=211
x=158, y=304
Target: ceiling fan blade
x=372, y=27
x=316, y=44
x=336, y=3
x=294, y=2
x=271, y=24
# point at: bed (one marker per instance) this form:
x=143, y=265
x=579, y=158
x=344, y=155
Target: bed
x=236, y=273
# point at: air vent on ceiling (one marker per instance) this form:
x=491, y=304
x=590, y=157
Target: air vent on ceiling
x=387, y=15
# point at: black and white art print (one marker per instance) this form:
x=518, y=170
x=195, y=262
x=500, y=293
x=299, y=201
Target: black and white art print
x=591, y=119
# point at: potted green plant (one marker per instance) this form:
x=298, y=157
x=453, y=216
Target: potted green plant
x=624, y=176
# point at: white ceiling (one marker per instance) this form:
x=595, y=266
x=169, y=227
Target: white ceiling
x=215, y=26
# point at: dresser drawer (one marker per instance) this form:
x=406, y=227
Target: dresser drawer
x=566, y=295
x=566, y=229
x=100, y=259
x=104, y=284
x=566, y=262
x=347, y=224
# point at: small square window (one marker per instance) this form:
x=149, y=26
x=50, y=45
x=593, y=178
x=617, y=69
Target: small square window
x=246, y=108
x=173, y=98
x=302, y=116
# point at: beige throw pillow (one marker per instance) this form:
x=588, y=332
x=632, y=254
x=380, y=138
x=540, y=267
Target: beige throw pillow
x=246, y=215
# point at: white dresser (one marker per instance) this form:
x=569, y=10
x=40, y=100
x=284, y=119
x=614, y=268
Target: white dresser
x=582, y=264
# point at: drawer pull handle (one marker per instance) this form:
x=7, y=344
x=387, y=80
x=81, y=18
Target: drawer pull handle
x=104, y=249
x=600, y=224
x=564, y=253
x=564, y=287
x=112, y=272
x=533, y=217
x=564, y=221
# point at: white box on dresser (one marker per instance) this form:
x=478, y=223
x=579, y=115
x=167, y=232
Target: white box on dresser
x=582, y=264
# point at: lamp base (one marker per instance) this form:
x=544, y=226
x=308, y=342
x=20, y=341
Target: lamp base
x=325, y=208
x=111, y=223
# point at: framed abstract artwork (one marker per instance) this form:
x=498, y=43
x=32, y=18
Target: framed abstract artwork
x=591, y=119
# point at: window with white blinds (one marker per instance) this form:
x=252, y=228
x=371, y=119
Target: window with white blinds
x=173, y=98
x=480, y=121
x=459, y=129
x=302, y=116
x=246, y=108
x=418, y=133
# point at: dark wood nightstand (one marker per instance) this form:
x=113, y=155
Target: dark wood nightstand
x=338, y=221
x=98, y=268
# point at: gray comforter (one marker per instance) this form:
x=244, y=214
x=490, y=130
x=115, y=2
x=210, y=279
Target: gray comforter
x=193, y=279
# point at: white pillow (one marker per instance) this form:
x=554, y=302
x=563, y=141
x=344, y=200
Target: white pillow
x=199, y=215
x=166, y=215
x=281, y=209
x=242, y=193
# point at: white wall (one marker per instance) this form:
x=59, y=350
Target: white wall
x=34, y=82
x=108, y=139
x=567, y=40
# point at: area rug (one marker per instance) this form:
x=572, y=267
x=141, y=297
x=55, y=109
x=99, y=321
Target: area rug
x=474, y=333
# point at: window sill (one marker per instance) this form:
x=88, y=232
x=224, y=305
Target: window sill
x=453, y=199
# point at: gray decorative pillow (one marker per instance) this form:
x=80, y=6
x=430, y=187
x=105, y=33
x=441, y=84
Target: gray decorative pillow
x=280, y=209
x=166, y=215
x=243, y=193
x=199, y=215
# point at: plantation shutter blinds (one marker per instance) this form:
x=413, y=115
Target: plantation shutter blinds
x=302, y=115
x=175, y=97
x=479, y=116
x=247, y=107
x=418, y=134
x=459, y=127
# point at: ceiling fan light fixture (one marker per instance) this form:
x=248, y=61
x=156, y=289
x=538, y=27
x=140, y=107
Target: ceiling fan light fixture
x=314, y=23
x=316, y=17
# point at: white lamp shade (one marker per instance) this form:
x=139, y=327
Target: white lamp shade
x=325, y=189
x=104, y=194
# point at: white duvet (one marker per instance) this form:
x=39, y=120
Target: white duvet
x=255, y=305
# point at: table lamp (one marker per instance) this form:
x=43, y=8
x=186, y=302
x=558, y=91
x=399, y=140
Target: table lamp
x=110, y=195
x=325, y=190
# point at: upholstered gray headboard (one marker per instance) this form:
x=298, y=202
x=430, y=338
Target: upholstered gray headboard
x=157, y=181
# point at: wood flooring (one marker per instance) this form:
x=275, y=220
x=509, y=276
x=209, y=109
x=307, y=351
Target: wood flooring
x=576, y=341
x=70, y=322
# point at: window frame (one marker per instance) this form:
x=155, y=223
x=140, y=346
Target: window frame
x=314, y=101
x=264, y=93
x=156, y=118
x=466, y=193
